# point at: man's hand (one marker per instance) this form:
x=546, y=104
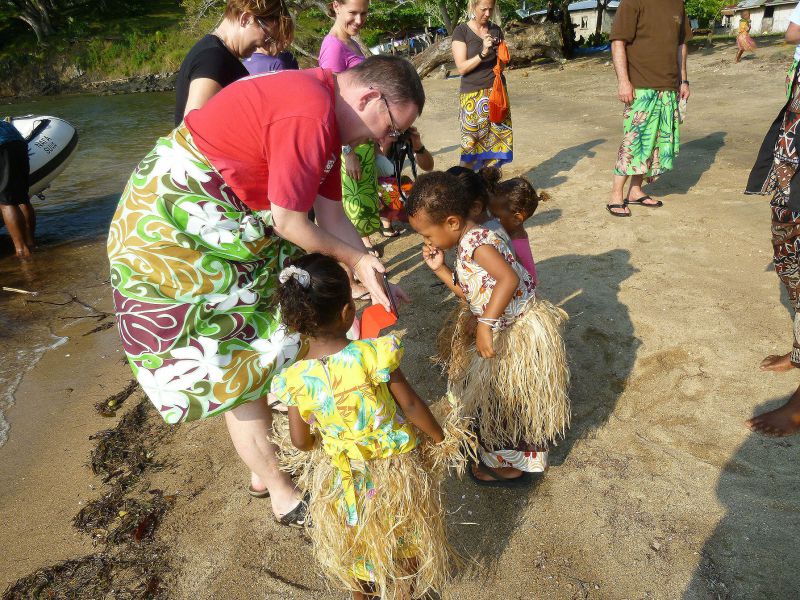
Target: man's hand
x=684, y=93
x=625, y=92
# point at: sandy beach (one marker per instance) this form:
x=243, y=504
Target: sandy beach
x=658, y=490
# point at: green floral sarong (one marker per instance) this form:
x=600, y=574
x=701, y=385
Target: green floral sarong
x=194, y=271
x=360, y=198
x=651, y=138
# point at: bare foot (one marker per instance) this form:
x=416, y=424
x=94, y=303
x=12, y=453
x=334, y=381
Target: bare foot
x=778, y=363
x=504, y=472
x=780, y=422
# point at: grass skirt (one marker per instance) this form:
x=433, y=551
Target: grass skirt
x=402, y=517
x=521, y=394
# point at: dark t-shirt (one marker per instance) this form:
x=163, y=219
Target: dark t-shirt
x=652, y=30
x=210, y=59
x=482, y=76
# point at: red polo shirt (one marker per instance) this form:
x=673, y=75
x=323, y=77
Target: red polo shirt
x=273, y=138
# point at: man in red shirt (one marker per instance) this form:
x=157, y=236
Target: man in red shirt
x=208, y=220
x=276, y=139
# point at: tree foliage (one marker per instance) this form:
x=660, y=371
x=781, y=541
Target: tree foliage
x=704, y=11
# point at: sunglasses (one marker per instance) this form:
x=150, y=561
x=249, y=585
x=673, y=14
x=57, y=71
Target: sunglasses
x=263, y=24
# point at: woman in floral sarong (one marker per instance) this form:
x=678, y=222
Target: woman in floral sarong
x=483, y=143
x=208, y=219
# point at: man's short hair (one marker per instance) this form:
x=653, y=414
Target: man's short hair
x=394, y=76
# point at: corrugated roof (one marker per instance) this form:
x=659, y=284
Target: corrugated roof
x=584, y=5
x=747, y=4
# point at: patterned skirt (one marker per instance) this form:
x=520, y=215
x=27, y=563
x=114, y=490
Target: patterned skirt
x=745, y=43
x=360, y=197
x=482, y=140
x=651, y=139
x=194, y=271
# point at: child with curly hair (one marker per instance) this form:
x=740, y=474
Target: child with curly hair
x=510, y=374
x=377, y=452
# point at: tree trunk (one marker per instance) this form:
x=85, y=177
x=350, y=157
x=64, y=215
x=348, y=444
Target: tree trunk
x=567, y=30
x=525, y=42
x=448, y=23
x=36, y=16
x=601, y=9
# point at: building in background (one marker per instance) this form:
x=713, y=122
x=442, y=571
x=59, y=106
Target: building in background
x=582, y=14
x=765, y=15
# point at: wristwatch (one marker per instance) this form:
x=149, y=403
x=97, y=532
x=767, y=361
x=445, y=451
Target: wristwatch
x=420, y=151
x=481, y=55
x=686, y=81
x=347, y=150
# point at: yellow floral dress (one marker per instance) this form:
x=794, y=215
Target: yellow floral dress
x=346, y=399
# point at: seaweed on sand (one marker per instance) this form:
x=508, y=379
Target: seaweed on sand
x=123, y=520
x=123, y=576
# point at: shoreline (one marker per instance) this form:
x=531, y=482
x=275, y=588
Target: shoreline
x=156, y=82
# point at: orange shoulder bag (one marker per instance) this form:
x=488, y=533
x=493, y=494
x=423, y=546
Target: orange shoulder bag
x=498, y=98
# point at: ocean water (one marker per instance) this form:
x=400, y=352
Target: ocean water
x=115, y=132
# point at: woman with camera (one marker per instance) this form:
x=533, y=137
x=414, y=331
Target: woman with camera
x=483, y=143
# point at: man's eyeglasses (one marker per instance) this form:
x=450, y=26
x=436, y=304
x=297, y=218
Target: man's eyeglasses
x=393, y=131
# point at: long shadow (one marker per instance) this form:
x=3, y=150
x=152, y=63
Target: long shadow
x=602, y=347
x=548, y=173
x=694, y=159
x=753, y=550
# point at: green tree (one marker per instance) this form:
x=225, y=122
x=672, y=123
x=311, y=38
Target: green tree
x=704, y=11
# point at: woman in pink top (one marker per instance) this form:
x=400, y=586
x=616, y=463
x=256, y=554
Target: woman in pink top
x=360, y=197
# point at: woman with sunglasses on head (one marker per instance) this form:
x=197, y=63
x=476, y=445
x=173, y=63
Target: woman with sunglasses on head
x=360, y=197
x=215, y=61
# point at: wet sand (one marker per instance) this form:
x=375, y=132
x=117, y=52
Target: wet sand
x=658, y=491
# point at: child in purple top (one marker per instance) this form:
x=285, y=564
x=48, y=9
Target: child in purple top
x=261, y=62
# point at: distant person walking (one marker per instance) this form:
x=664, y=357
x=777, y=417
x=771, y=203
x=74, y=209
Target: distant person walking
x=775, y=172
x=648, y=47
x=215, y=61
x=15, y=204
x=743, y=40
x=483, y=143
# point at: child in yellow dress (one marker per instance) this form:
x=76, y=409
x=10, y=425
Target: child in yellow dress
x=508, y=363
x=375, y=508
x=744, y=43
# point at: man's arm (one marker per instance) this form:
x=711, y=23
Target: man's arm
x=620, y=58
x=683, y=53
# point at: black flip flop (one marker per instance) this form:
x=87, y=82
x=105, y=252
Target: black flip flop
x=618, y=214
x=640, y=202
x=498, y=480
x=296, y=517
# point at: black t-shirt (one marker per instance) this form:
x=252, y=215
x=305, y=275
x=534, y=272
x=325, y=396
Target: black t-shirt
x=208, y=58
x=482, y=76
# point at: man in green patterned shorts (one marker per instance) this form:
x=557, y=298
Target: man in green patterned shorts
x=648, y=46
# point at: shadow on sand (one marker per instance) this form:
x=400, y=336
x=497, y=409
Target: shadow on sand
x=552, y=172
x=694, y=159
x=753, y=550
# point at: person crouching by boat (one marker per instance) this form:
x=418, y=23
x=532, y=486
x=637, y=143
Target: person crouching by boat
x=15, y=205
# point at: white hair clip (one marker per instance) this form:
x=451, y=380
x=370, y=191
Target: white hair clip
x=292, y=272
